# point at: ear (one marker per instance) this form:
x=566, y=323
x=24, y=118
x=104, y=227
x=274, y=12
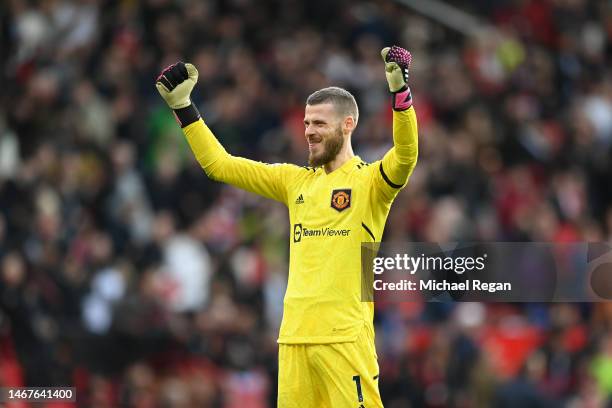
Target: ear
x=348, y=124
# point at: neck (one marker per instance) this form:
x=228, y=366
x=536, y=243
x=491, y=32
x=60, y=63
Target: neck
x=345, y=154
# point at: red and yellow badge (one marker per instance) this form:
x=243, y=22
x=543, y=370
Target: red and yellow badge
x=341, y=199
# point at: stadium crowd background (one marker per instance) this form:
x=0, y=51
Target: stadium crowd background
x=125, y=272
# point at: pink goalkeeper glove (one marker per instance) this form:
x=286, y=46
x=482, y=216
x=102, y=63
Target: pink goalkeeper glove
x=397, y=63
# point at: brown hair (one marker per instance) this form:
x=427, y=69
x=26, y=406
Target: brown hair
x=343, y=101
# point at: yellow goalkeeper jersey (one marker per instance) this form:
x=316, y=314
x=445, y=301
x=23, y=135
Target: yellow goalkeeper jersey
x=330, y=216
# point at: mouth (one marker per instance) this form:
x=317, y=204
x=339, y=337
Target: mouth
x=313, y=143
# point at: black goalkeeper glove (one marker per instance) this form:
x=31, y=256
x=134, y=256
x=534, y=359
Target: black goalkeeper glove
x=175, y=84
x=397, y=63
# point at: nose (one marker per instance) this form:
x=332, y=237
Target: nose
x=309, y=131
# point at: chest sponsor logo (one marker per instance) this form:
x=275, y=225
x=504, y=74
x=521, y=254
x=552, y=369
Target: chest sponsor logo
x=300, y=232
x=341, y=199
x=297, y=232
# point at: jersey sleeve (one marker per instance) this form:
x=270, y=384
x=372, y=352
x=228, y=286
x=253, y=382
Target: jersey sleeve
x=267, y=180
x=396, y=166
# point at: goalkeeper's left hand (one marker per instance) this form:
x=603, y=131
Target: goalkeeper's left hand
x=175, y=84
x=397, y=63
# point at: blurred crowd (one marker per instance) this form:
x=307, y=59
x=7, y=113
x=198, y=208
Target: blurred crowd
x=128, y=274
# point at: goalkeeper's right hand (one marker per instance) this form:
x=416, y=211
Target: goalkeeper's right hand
x=175, y=84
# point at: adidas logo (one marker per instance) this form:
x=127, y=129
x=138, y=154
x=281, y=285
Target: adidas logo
x=300, y=200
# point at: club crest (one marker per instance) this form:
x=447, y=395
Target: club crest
x=341, y=199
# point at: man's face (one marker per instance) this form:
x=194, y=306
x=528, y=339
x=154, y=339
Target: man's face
x=323, y=133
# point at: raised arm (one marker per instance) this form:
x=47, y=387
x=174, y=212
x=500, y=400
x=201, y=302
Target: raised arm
x=175, y=84
x=397, y=164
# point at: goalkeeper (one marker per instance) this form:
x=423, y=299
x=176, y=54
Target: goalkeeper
x=327, y=356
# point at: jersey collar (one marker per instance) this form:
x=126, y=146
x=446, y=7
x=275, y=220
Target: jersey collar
x=348, y=165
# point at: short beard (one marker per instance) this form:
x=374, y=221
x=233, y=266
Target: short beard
x=331, y=147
